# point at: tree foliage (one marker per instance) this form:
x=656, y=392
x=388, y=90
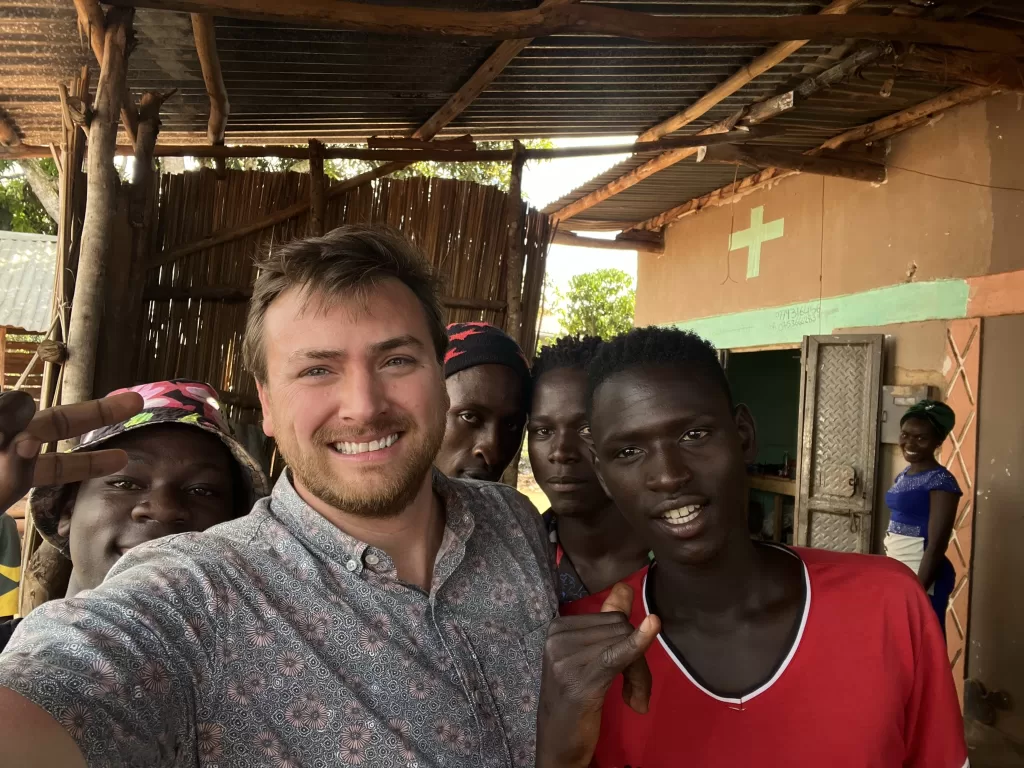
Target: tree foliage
x=599, y=303
x=20, y=210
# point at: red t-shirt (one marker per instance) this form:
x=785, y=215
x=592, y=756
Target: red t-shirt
x=867, y=684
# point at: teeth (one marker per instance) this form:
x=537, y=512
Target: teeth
x=351, y=449
x=683, y=514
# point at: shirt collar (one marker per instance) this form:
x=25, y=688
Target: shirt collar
x=321, y=535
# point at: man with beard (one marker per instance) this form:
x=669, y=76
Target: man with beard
x=371, y=611
x=488, y=382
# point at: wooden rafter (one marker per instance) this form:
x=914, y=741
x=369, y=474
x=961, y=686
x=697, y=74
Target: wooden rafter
x=598, y=20
x=92, y=22
x=656, y=247
x=206, y=49
x=708, y=101
x=429, y=153
x=952, y=66
x=772, y=157
x=457, y=103
x=875, y=131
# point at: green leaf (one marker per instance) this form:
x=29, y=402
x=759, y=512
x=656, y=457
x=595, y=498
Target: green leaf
x=599, y=303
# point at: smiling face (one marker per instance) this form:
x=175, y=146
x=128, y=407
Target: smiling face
x=177, y=479
x=354, y=395
x=558, y=435
x=918, y=440
x=486, y=415
x=671, y=452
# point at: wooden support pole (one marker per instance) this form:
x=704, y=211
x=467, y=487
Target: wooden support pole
x=589, y=19
x=875, y=131
x=206, y=49
x=514, y=252
x=91, y=22
x=619, y=244
x=142, y=216
x=317, y=189
x=768, y=157
x=712, y=98
x=103, y=184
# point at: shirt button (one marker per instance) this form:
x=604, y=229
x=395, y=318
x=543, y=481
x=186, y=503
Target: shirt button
x=372, y=559
x=351, y=565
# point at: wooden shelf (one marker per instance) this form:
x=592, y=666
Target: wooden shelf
x=780, y=485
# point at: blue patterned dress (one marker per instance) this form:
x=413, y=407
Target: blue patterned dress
x=909, y=502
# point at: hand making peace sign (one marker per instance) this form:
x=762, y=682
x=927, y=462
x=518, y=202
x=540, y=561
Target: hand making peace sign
x=23, y=432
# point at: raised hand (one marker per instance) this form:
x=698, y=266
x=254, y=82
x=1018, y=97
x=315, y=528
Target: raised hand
x=582, y=657
x=23, y=432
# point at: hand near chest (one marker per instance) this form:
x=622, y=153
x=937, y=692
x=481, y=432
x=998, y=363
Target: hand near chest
x=582, y=658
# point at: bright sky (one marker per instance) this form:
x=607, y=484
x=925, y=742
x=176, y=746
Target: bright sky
x=545, y=182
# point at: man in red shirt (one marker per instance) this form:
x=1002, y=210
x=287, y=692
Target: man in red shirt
x=766, y=655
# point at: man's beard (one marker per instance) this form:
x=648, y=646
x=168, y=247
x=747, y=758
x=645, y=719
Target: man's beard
x=378, y=492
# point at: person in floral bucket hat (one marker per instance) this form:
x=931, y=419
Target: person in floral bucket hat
x=185, y=472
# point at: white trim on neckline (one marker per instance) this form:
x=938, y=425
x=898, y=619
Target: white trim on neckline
x=782, y=667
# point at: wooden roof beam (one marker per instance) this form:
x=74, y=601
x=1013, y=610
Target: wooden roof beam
x=466, y=95
x=206, y=49
x=875, y=131
x=92, y=22
x=426, y=153
x=772, y=157
x=657, y=247
x=953, y=66
x=598, y=20
x=712, y=98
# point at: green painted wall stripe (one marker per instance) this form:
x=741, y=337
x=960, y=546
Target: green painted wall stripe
x=905, y=303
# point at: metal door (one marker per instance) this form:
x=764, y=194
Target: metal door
x=840, y=396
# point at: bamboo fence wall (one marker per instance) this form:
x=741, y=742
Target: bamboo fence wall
x=460, y=226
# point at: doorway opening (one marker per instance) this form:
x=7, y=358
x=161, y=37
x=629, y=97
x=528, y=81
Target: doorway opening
x=768, y=383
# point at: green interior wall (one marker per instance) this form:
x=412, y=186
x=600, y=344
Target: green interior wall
x=768, y=383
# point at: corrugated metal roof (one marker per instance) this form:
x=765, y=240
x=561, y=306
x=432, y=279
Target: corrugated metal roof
x=854, y=102
x=27, y=266
x=288, y=83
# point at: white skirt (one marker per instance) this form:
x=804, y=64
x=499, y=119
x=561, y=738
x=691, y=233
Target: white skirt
x=909, y=550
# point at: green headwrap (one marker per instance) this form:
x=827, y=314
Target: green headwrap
x=940, y=416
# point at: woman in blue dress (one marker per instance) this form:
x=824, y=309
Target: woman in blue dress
x=923, y=502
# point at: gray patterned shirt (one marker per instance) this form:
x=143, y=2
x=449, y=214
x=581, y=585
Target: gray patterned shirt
x=277, y=640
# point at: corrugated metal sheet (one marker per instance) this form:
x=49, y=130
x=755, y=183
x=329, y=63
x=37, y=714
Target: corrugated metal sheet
x=846, y=105
x=290, y=83
x=27, y=266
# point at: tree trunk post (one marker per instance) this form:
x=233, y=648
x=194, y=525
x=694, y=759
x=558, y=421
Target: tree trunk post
x=514, y=254
x=103, y=183
x=317, y=189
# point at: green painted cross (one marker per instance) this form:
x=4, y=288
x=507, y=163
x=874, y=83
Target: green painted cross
x=751, y=238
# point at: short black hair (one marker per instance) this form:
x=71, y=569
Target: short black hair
x=566, y=352
x=654, y=346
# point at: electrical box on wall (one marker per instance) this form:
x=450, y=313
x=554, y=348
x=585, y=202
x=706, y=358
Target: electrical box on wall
x=895, y=401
